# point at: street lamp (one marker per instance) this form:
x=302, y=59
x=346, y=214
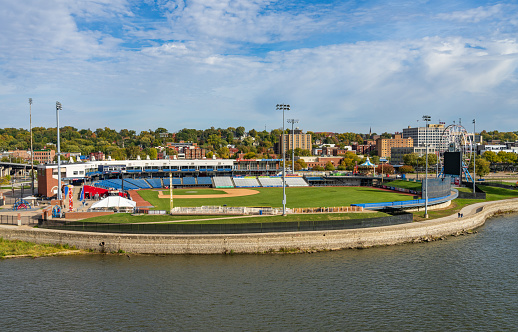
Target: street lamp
x=427, y=119
x=283, y=107
x=474, y=154
x=32, y=151
x=59, y=108
x=292, y=121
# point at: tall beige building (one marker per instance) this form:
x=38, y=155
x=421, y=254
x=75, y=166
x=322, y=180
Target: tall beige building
x=383, y=145
x=295, y=140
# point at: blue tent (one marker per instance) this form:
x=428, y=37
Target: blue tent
x=368, y=163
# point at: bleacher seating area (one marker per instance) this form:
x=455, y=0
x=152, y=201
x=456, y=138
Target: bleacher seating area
x=216, y=182
x=296, y=182
x=246, y=182
x=189, y=181
x=156, y=182
x=270, y=181
x=204, y=180
x=223, y=182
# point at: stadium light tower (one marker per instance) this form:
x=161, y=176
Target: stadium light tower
x=283, y=107
x=32, y=151
x=59, y=108
x=427, y=119
x=292, y=121
x=474, y=154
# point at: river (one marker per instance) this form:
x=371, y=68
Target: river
x=465, y=283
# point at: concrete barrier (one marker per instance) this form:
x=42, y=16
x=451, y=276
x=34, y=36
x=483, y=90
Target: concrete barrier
x=474, y=216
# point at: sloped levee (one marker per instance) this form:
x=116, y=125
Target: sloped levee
x=474, y=216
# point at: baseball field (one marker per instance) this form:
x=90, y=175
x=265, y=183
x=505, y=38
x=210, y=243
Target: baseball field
x=296, y=197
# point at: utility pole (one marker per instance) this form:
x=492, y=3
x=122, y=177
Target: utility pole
x=283, y=107
x=32, y=151
x=58, y=108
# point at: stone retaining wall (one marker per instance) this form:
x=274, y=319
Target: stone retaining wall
x=475, y=216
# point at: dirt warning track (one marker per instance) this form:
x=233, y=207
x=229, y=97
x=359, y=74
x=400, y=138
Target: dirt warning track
x=228, y=193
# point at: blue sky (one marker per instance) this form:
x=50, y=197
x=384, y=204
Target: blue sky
x=342, y=65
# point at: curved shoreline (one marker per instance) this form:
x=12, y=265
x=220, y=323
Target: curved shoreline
x=475, y=216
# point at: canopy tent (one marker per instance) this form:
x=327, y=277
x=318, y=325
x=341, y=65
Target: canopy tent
x=368, y=163
x=114, y=202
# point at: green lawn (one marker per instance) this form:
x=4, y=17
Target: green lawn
x=272, y=197
x=405, y=184
x=126, y=218
x=15, y=248
x=492, y=194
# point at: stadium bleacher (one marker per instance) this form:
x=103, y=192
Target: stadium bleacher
x=204, y=180
x=156, y=182
x=246, y=182
x=140, y=183
x=189, y=181
x=270, y=181
x=296, y=182
x=223, y=182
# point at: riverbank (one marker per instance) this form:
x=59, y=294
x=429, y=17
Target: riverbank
x=474, y=216
x=18, y=249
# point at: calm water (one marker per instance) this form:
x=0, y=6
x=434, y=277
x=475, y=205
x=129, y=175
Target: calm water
x=464, y=284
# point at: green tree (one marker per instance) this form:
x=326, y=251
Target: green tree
x=318, y=168
x=491, y=156
x=482, y=167
x=223, y=152
x=329, y=166
x=406, y=169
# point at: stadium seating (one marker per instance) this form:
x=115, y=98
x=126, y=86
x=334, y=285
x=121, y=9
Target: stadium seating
x=204, y=180
x=156, y=182
x=189, y=181
x=270, y=182
x=296, y=182
x=246, y=182
x=139, y=183
x=223, y=182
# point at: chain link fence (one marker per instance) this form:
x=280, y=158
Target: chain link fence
x=177, y=228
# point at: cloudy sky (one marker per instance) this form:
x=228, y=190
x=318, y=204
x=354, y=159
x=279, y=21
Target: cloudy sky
x=341, y=65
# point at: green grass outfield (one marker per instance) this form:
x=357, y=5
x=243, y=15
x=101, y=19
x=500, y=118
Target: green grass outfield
x=404, y=184
x=298, y=197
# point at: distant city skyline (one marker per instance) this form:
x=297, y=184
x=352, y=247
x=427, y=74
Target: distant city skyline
x=342, y=66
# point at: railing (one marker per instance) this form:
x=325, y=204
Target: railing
x=177, y=228
x=409, y=203
x=13, y=220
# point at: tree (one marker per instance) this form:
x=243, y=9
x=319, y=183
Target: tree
x=301, y=163
x=152, y=153
x=482, y=167
x=385, y=169
x=223, y=152
x=250, y=155
x=209, y=155
x=406, y=169
x=329, y=166
x=317, y=168
x=491, y=156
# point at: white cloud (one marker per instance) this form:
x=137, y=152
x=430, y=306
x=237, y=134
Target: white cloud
x=197, y=71
x=474, y=15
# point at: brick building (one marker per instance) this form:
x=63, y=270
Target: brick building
x=384, y=145
x=44, y=156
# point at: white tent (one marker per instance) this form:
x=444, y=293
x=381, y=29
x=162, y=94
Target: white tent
x=114, y=201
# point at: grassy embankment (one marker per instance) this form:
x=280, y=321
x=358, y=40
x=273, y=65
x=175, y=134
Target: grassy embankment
x=15, y=248
x=492, y=194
